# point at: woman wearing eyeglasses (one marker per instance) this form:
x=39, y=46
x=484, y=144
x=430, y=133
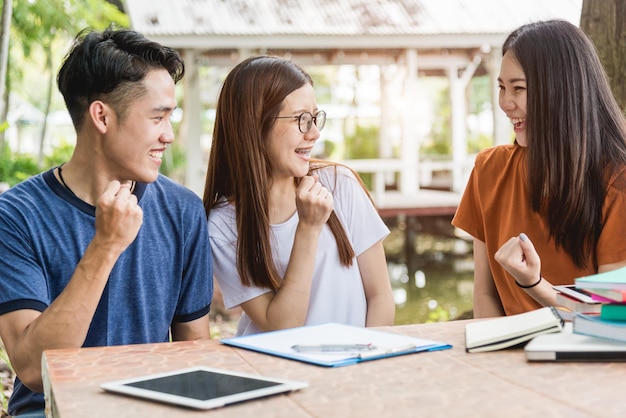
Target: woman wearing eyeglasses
x=295, y=240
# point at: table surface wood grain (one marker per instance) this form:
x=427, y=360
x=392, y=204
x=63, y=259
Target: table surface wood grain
x=447, y=383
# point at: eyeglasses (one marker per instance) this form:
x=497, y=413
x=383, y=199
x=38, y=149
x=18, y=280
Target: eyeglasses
x=306, y=120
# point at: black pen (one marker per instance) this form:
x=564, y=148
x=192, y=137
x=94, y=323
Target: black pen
x=321, y=348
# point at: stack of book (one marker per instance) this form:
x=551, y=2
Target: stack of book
x=577, y=300
x=608, y=291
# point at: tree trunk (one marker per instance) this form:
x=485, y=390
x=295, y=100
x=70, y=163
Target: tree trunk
x=5, y=27
x=44, y=124
x=605, y=23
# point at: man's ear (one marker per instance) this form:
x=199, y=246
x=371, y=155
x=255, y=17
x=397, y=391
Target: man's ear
x=101, y=115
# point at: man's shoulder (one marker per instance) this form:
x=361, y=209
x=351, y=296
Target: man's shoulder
x=170, y=198
x=169, y=183
x=23, y=193
x=173, y=189
x=35, y=181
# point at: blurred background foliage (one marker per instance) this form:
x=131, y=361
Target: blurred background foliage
x=38, y=31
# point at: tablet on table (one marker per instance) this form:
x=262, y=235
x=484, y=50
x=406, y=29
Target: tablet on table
x=202, y=387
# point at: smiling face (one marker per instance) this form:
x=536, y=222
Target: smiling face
x=512, y=98
x=135, y=144
x=289, y=150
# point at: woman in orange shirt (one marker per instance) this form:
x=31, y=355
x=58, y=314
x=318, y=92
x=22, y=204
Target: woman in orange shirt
x=557, y=193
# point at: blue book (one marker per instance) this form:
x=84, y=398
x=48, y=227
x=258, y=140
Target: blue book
x=333, y=345
x=614, y=279
x=595, y=326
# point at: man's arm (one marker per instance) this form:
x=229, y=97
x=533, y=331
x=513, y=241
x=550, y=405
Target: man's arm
x=65, y=323
x=192, y=330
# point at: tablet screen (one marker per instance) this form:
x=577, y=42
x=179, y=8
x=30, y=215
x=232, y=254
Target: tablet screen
x=576, y=293
x=202, y=387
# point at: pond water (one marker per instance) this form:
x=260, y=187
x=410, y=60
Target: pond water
x=431, y=270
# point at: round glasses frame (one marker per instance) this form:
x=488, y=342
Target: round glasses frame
x=307, y=119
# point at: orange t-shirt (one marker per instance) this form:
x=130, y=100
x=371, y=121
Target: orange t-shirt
x=495, y=207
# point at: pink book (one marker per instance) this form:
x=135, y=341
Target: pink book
x=607, y=295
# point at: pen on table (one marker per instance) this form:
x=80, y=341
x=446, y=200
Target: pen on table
x=303, y=348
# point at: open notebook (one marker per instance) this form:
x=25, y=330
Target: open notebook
x=333, y=345
x=511, y=331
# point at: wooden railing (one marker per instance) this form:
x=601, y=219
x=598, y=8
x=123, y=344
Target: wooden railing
x=429, y=173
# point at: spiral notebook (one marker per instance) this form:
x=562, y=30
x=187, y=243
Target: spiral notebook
x=511, y=331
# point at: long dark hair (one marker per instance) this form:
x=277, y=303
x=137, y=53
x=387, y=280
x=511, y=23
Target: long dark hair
x=239, y=168
x=576, y=132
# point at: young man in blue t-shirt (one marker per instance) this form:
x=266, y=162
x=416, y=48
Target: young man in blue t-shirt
x=103, y=250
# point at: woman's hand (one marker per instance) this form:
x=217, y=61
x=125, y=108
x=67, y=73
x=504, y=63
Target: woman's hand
x=519, y=257
x=313, y=201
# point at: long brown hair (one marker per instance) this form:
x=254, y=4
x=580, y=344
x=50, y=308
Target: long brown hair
x=576, y=132
x=239, y=169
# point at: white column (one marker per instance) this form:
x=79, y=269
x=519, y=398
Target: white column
x=385, y=146
x=502, y=128
x=459, y=82
x=191, y=126
x=385, y=143
x=410, y=141
x=458, y=131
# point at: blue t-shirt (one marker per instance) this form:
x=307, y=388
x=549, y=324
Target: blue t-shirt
x=164, y=276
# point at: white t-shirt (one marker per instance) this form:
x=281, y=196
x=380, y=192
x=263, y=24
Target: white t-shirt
x=337, y=293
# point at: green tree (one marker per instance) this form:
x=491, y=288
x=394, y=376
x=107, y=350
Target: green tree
x=363, y=144
x=5, y=24
x=440, y=141
x=14, y=167
x=37, y=26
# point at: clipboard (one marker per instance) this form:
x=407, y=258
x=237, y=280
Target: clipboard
x=285, y=343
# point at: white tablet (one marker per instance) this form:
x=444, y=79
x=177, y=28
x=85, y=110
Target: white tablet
x=202, y=387
x=578, y=294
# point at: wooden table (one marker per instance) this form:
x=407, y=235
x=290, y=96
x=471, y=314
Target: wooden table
x=448, y=383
